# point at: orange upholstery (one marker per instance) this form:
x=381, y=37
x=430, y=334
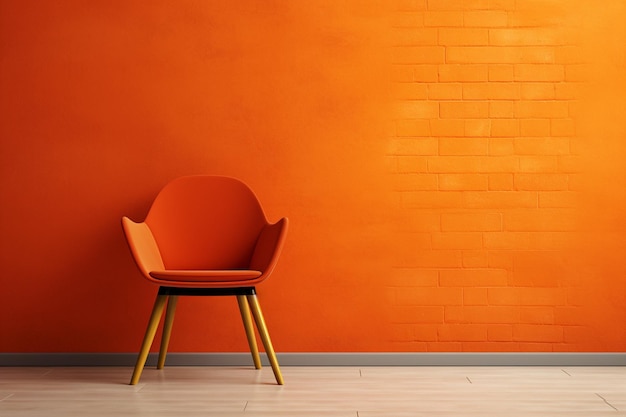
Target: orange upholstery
x=203, y=233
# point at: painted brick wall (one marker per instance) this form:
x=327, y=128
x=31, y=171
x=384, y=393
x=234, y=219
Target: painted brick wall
x=485, y=165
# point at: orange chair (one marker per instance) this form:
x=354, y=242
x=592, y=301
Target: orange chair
x=206, y=235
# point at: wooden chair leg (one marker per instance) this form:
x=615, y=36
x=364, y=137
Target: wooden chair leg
x=167, y=329
x=153, y=324
x=244, y=308
x=265, y=337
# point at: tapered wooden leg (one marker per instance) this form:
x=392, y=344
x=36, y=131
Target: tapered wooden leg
x=167, y=329
x=247, y=324
x=153, y=324
x=265, y=337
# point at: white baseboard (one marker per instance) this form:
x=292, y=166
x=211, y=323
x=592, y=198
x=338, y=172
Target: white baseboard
x=321, y=359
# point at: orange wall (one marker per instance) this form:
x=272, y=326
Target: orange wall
x=452, y=169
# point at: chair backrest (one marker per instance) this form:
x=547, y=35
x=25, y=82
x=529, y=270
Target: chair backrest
x=206, y=222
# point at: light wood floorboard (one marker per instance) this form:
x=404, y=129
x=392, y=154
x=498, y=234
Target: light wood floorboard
x=315, y=391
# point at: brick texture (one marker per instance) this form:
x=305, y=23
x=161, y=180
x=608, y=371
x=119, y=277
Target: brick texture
x=486, y=165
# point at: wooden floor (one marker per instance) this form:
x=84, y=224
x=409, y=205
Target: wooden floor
x=315, y=391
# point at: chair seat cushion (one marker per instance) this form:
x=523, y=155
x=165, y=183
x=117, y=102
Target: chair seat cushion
x=192, y=275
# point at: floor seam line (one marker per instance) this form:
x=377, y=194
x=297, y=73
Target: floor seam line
x=7, y=397
x=606, y=402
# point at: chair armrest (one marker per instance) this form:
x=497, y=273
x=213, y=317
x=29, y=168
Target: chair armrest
x=268, y=246
x=143, y=246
